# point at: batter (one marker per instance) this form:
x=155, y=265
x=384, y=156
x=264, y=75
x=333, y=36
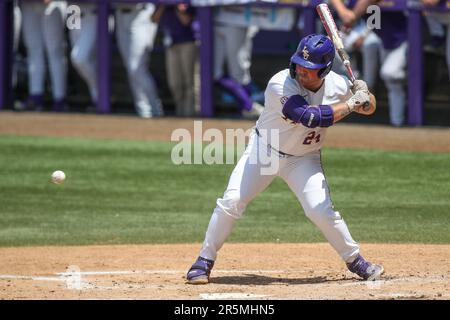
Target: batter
x=300, y=103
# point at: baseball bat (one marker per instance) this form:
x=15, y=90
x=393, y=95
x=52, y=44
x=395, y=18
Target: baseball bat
x=333, y=33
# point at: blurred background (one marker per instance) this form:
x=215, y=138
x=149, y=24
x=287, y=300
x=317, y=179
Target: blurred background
x=268, y=43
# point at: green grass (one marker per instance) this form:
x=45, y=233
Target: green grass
x=130, y=192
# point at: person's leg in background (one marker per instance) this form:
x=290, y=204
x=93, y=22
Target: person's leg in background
x=32, y=22
x=219, y=51
x=370, y=59
x=447, y=51
x=238, y=56
x=174, y=79
x=55, y=45
x=233, y=47
x=393, y=72
x=83, y=54
x=437, y=31
x=189, y=54
x=135, y=37
x=16, y=38
x=438, y=22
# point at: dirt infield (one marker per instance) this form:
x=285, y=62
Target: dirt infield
x=127, y=127
x=243, y=271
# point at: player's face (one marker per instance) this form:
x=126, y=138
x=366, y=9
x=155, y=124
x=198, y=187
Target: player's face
x=308, y=78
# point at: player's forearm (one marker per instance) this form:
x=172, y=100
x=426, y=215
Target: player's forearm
x=361, y=7
x=156, y=16
x=340, y=111
x=338, y=6
x=343, y=109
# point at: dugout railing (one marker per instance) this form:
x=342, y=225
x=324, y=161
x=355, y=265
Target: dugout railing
x=415, y=52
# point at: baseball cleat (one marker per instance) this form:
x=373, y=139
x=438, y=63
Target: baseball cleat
x=365, y=269
x=200, y=271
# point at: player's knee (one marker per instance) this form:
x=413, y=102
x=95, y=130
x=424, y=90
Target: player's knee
x=386, y=74
x=55, y=51
x=392, y=74
x=322, y=213
x=78, y=59
x=233, y=203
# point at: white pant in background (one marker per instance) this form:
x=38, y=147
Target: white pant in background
x=306, y=179
x=84, y=48
x=393, y=73
x=17, y=28
x=43, y=32
x=371, y=50
x=135, y=37
x=233, y=47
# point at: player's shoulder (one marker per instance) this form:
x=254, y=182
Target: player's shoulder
x=280, y=76
x=337, y=83
x=281, y=81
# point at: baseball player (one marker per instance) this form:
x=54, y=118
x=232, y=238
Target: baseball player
x=83, y=40
x=43, y=34
x=300, y=103
x=135, y=36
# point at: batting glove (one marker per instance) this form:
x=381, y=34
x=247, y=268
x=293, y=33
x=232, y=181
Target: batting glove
x=358, y=100
x=359, y=85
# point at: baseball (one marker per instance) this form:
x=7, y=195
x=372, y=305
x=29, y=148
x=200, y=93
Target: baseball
x=58, y=177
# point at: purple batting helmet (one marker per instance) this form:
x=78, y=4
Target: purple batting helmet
x=315, y=51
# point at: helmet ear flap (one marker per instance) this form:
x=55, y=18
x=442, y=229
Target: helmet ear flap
x=292, y=67
x=324, y=71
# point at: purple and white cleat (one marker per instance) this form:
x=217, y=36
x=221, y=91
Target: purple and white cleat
x=200, y=271
x=365, y=269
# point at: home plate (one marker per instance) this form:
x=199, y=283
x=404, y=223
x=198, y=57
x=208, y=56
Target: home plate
x=230, y=295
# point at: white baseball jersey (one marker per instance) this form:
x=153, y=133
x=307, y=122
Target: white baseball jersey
x=297, y=139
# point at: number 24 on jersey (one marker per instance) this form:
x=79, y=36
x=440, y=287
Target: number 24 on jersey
x=311, y=137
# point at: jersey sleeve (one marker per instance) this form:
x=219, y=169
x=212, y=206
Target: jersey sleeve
x=347, y=92
x=338, y=88
x=276, y=95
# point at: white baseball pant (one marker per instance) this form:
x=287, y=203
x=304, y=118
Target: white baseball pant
x=135, y=37
x=393, y=73
x=17, y=27
x=43, y=32
x=306, y=179
x=84, y=48
x=233, y=47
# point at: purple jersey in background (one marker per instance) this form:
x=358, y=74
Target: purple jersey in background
x=174, y=31
x=393, y=31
